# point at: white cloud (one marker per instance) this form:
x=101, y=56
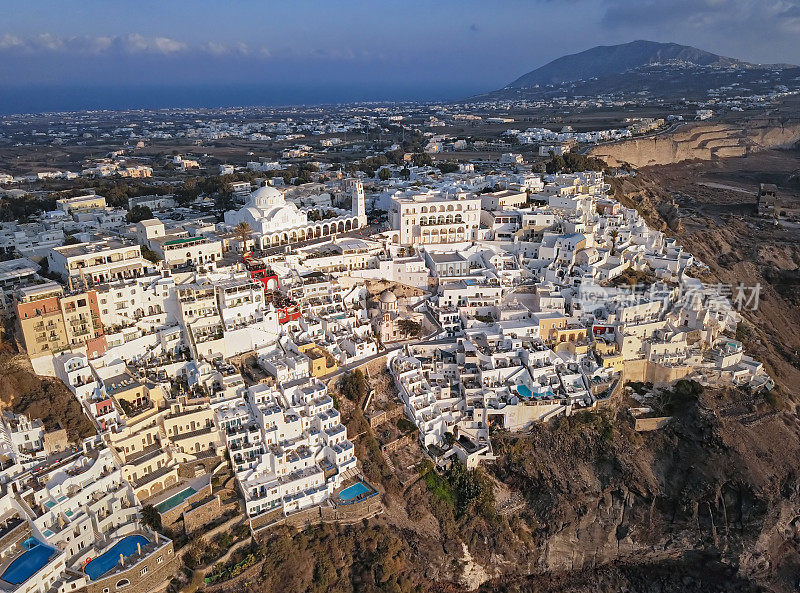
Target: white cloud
x=220, y=49
x=216, y=48
x=133, y=43
x=8, y=41
x=47, y=44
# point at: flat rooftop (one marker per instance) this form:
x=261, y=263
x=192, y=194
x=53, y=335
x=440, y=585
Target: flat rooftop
x=14, y=268
x=93, y=247
x=37, y=289
x=446, y=258
x=121, y=383
x=503, y=193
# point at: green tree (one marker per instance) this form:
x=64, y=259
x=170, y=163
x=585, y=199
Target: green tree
x=188, y=192
x=243, y=232
x=405, y=425
x=571, y=162
x=303, y=176
x=614, y=233
x=150, y=255
x=151, y=517
x=447, y=167
x=409, y=327
x=223, y=200
x=473, y=490
x=384, y=174
x=422, y=159
x=138, y=214
x=556, y=163
x=395, y=156
x=353, y=386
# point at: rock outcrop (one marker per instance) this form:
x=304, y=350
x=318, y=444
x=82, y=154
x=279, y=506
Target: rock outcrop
x=703, y=141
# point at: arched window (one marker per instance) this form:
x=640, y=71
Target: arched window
x=458, y=218
x=122, y=583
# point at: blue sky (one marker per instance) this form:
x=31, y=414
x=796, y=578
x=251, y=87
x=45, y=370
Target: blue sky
x=380, y=48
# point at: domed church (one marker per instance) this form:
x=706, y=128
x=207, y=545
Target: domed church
x=268, y=211
x=275, y=221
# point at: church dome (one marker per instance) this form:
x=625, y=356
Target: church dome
x=266, y=196
x=387, y=296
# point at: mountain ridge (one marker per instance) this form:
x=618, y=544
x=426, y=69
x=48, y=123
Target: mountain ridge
x=609, y=60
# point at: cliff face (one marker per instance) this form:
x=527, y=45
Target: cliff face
x=721, y=478
x=701, y=141
x=47, y=398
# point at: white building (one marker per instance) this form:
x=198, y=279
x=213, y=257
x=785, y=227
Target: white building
x=182, y=251
x=98, y=261
x=435, y=217
x=287, y=445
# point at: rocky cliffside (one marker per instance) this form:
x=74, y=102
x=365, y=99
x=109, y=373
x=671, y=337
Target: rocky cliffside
x=47, y=398
x=701, y=141
x=720, y=480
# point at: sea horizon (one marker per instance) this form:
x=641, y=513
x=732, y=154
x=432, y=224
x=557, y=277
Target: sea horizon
x=54, y=98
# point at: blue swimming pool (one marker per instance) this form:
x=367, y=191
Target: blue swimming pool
x=354, y=491
x=110, y=558
x=523, y=391
x=175, y=500
x=25, y=566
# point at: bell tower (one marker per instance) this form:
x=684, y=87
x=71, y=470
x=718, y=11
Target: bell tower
x=358, y=201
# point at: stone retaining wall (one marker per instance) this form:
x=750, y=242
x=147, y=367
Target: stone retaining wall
x=397, y=443
x=173, y=515
x=645, y=371
x=202, y=514
x=385, y=416
x=20, y=533
x=326, y=514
